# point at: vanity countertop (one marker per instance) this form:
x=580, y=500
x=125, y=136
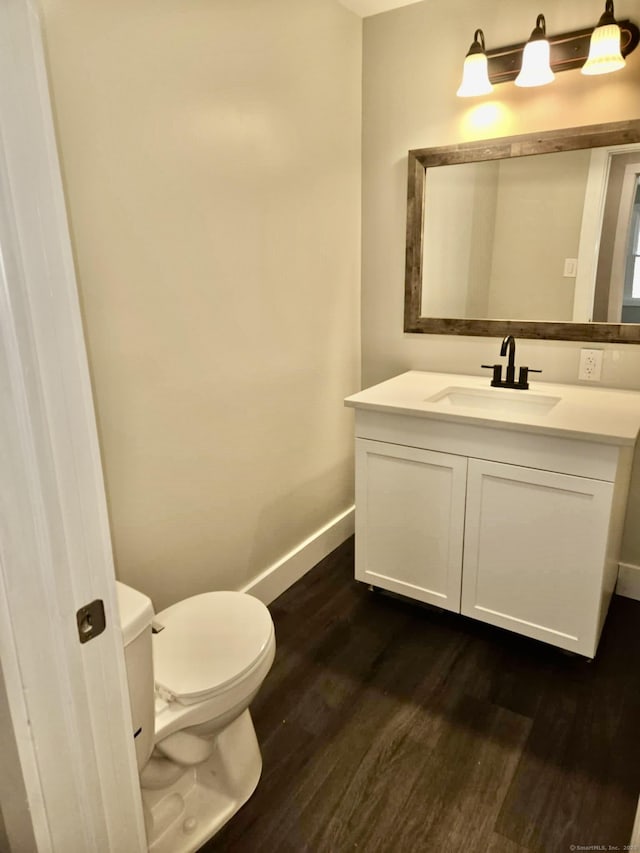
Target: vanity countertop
x=572, y=411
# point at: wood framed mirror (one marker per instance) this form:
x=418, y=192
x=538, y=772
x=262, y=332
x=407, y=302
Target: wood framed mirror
x=537, y=236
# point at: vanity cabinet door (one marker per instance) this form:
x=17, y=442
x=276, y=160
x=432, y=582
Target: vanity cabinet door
x=535, y=551
x=410, y=521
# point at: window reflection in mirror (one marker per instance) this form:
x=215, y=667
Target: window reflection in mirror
x=631, y=299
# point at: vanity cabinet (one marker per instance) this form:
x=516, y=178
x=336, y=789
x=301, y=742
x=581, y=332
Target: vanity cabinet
x=410, y=521
x=517, y=528
x=535, y=551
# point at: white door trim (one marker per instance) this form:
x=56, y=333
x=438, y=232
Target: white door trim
x=68, y=702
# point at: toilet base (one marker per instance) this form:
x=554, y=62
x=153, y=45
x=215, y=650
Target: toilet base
x=181, y=817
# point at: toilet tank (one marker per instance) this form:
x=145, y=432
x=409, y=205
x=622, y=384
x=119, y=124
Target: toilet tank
x=136, y=615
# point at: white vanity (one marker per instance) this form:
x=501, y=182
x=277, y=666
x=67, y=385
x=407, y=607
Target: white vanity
x=504, y=505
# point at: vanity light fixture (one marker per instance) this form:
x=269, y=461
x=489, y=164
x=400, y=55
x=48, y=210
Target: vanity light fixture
x=604, y=49
x=536, y=58
x=475, y=73
x=595, y=50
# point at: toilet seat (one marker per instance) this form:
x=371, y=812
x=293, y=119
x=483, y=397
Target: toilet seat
x=209, y=643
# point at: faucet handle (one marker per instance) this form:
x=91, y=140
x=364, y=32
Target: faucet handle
x=524, y=376
x=497, y=373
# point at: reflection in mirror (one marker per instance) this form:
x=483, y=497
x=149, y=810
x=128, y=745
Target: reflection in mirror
x=504, y=239
x=535, y=235
x=614, y=301
x=502, y=236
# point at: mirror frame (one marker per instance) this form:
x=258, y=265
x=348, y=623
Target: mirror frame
x=421, y=159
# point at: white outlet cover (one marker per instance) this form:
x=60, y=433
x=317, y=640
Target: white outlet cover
x=590, y=369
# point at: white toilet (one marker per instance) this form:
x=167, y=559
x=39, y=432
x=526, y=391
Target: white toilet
x=190, y=685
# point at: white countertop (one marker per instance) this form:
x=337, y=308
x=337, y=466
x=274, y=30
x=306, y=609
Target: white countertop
x=589, y=413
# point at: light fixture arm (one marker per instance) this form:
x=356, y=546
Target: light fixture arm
x=607, y=18
x=540, y=31
x=478, y=43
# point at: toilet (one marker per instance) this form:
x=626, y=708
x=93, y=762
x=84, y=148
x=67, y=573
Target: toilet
x=192, y=671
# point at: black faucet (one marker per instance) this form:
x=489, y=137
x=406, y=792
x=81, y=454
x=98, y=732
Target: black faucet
x=509, y=343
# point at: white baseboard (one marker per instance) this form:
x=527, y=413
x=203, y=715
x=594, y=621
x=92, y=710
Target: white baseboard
x=635, y=835
x=281, y=575
x=629, y=581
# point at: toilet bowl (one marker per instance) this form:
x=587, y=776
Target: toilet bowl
x=190, y=686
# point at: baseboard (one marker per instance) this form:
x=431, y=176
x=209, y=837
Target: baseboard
x=635, y=835
x=629, y=581
x=281, y=575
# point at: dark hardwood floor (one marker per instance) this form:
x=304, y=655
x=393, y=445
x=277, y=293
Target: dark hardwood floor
x=388, y=726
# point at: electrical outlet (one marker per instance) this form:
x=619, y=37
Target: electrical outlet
x=590, y=365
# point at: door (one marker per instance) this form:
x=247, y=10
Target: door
x=410, y=521
x=535, y=550
x=69, y=777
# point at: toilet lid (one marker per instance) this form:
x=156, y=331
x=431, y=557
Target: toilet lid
x=208, y=642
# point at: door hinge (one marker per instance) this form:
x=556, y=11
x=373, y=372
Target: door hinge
x=91, y=620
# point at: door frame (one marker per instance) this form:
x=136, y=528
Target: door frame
x=67, y=703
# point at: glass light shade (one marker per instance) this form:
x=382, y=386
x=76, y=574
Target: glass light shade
x=475, y=77
x=536, y=68
x=604, y=51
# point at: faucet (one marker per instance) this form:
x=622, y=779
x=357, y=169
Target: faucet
x=509, y=343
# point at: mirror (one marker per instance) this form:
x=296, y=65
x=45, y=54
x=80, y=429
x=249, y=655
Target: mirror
x=536, y=236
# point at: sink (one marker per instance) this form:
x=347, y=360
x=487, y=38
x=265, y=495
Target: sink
x=496, y=400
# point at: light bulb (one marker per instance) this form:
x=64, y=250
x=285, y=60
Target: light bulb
x=536, y=67
x=475, y=72
x=604, y=49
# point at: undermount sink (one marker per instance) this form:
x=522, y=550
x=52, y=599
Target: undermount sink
x=497, y=400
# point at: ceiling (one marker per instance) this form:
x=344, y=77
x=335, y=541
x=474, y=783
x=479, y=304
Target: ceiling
x=364, y=8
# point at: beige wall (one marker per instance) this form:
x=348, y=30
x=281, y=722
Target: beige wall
x=412, y=61
x=211, y=160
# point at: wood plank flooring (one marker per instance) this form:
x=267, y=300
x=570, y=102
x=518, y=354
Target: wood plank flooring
x=388, y=726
